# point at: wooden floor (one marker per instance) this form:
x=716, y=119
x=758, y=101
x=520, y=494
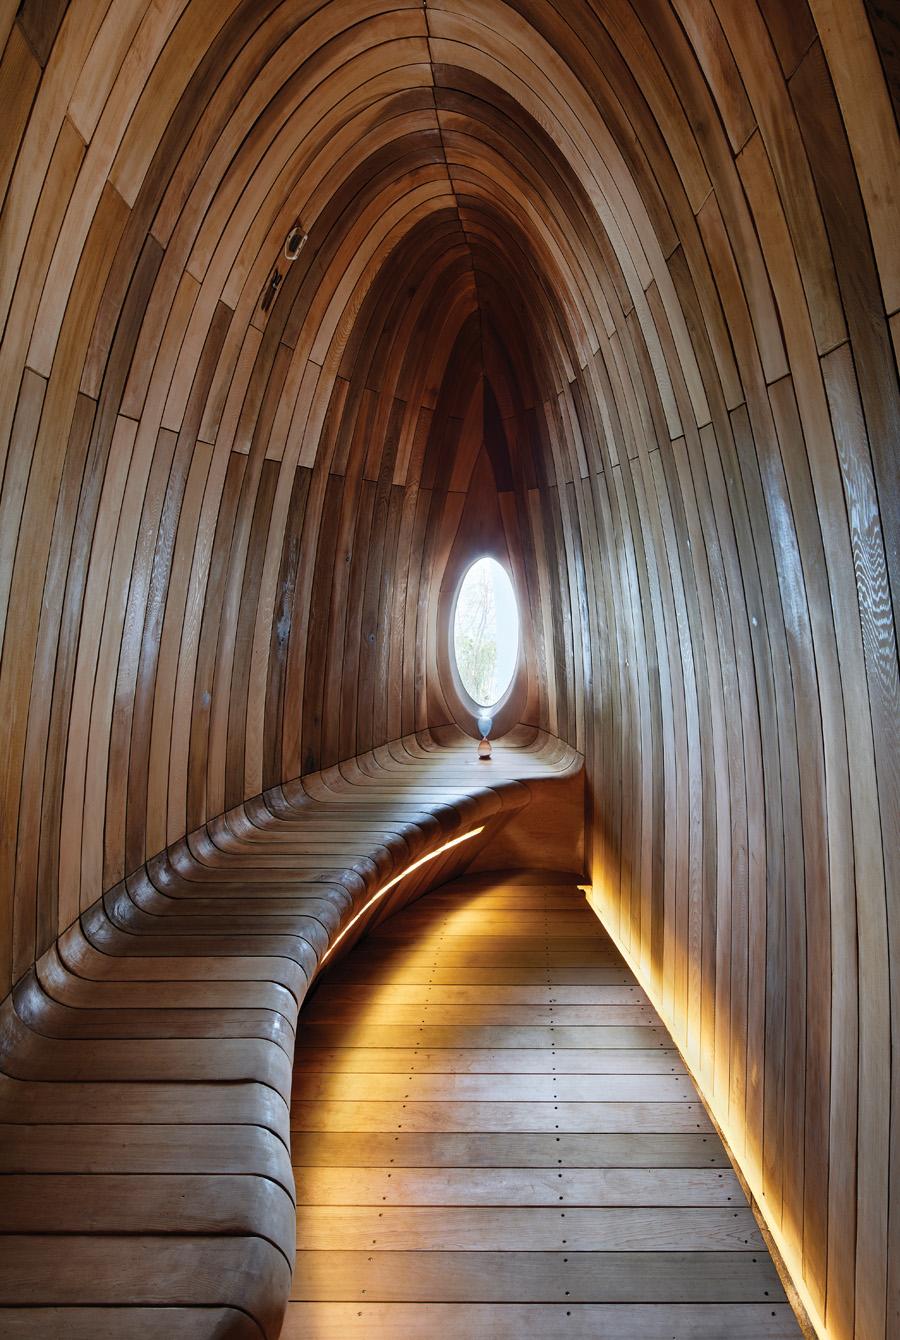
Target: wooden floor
x=494, y=1137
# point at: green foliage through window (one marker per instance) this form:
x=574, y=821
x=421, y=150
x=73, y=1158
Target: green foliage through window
x=486, y=632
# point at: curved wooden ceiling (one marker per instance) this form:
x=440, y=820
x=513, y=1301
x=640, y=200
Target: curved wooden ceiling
x=637, y=258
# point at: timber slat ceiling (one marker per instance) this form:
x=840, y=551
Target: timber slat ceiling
x=608, y=287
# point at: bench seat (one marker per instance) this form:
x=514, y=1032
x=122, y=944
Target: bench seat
x=146, y=1059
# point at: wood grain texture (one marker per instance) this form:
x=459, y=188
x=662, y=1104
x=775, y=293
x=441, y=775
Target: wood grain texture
x=146, y=1073
x=607, y=289
x=483, y=1209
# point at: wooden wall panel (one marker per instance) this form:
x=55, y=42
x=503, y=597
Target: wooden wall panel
x=632, y=262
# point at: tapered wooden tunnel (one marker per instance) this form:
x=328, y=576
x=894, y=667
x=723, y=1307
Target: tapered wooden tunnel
x=608, y=290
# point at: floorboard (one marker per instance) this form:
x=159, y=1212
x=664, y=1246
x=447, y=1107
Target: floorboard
x=493, y=1136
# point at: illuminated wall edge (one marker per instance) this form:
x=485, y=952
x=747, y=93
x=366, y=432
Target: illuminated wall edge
x=812, y=1323
x=391, y=883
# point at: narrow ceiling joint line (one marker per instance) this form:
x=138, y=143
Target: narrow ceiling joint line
x=450, y=181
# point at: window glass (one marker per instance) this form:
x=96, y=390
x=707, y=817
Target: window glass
x=486, y=632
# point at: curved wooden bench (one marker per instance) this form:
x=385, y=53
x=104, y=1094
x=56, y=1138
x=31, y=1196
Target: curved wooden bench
x=147, y=1057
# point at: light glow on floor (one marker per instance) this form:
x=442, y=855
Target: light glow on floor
x=749, y=1168
x=385, y=888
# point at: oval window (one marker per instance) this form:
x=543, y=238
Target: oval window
x=486, y=632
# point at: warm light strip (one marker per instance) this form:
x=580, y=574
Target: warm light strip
x=423, y=860
x=752, y=1175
